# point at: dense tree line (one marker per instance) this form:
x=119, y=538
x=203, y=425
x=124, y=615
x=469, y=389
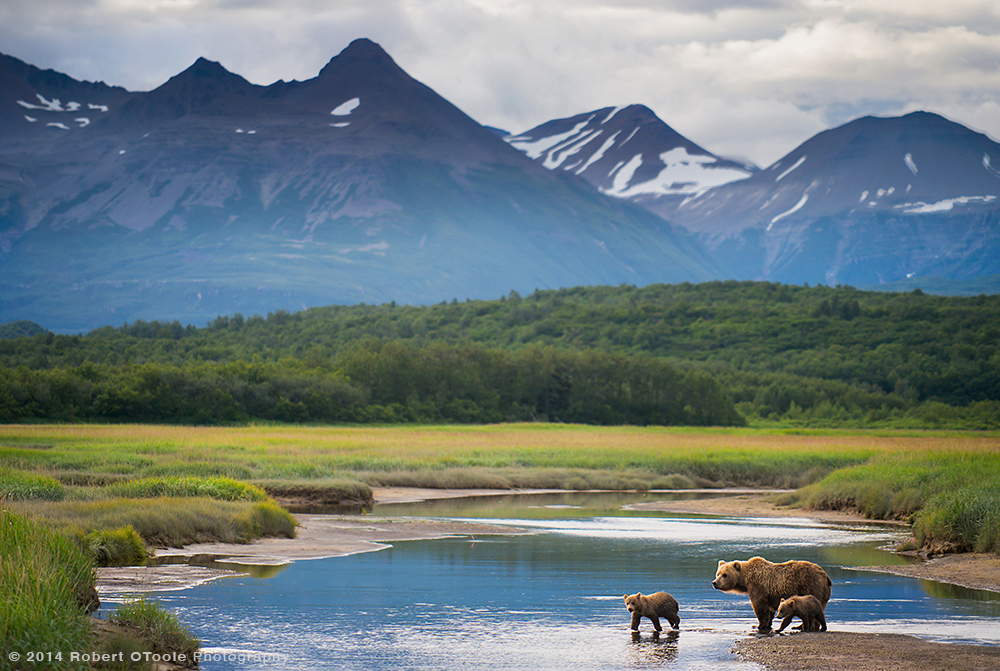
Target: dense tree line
x=816, y=355
x=381, y=382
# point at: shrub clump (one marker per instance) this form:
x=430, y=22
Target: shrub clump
x=118, y=546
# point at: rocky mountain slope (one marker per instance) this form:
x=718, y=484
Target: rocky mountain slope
x=876, y=202
x=211, y=195
x=628, y=152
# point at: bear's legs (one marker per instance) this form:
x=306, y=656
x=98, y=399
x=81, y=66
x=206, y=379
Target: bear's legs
x=656, y=622
x=636, y=618
x=675, y=621
x=784, y=623
x=764, y=612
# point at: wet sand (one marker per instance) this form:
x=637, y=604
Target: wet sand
x=848, y=651
x=334, y=535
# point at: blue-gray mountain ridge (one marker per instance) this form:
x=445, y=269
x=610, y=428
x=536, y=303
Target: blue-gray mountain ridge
x=210, y=195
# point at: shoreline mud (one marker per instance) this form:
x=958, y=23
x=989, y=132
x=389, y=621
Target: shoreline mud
x=321, y=535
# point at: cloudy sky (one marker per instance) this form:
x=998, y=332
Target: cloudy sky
x=744, y=78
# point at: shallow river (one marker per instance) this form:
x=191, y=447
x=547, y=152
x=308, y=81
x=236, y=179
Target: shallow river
x=553, y=600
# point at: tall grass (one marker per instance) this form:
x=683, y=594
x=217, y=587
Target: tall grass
x=221, y=488
x=45, y=581
x=256, y=454
x=157, y=627
x=952, y=498
x=20, y=486
x=965, y=519
x=169, y=521
x=121, y=546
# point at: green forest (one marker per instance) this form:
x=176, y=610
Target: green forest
x=719, y=353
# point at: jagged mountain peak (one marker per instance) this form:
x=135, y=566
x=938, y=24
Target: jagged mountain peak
x=628, y=152
x=364, y=58
x=204, y=75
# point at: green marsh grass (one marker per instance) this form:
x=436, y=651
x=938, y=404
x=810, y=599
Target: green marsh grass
x=169, y=521
x=707, y=457
x=951, y=496
x=157, y=627
x=882, y=473
x=120, y=546
x=45, y=577
x=20, y=486
x=221, y=488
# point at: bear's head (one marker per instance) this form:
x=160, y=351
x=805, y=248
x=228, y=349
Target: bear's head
x=785, y=608
x=633, y=602
x=729, y=578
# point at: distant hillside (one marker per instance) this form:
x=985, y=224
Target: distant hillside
x=20, y=329
x=813, y=355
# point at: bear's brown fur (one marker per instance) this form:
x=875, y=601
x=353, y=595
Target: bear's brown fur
x=807, y=608
x=653, y=606
x=767, y=584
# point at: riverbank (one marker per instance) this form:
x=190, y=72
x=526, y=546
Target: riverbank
x=334, y=535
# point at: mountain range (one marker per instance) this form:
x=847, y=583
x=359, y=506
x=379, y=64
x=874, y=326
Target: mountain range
x=210, y=195
x=877, y=202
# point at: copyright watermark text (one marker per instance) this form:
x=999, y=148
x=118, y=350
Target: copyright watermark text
x=44, y=658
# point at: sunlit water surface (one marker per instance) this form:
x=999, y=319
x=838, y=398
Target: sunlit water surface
x=553, y=599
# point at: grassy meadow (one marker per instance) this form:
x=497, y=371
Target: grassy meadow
x=946, y=483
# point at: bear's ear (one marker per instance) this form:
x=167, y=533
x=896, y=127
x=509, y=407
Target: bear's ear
x=736, y=565
x=721, y=562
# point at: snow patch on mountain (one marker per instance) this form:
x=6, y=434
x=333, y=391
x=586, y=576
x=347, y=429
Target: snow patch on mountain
x=535, y=148
x=908, y=159
x=559, y=155
x=990, y=168
x=943, y=205
x=612, y=114
x=797, y=164
x=795, y=208
x=55, y=105
x=346, y=108
x=599, y=154
x=623, y=173
x=680, y=173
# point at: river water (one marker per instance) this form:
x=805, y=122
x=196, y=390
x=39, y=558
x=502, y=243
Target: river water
x=553, y=599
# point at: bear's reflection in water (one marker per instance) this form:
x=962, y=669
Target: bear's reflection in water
x=656, y=647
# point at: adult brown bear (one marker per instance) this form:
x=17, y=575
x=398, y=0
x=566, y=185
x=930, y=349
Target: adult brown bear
x=767, y=584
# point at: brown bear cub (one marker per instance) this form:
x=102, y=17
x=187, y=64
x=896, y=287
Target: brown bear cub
x=767, y=584
x=807, y=608
x=654, y=606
